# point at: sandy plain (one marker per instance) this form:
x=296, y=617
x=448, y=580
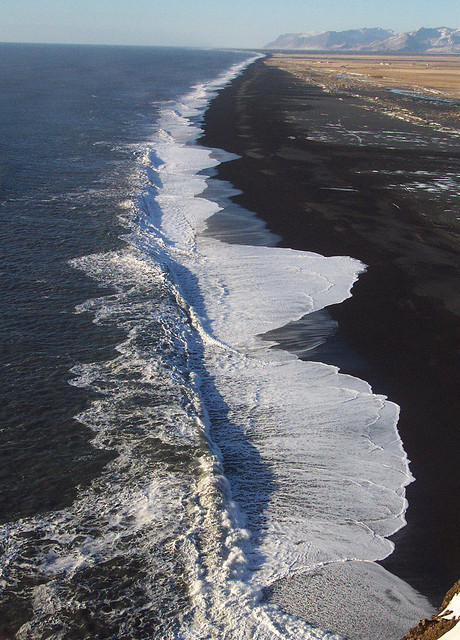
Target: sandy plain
x=433, y=75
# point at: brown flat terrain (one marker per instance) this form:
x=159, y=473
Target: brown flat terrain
x=435, y=75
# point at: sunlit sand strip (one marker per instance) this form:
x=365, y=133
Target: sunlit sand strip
x=435, y=75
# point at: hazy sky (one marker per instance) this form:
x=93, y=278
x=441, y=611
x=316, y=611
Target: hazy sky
x=209, y=23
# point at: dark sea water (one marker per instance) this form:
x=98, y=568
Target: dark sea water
x=160, y=465
x=73, y=122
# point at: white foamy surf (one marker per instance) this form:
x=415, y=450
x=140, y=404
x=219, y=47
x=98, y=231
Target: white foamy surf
x=264, y=467
x=313, y=458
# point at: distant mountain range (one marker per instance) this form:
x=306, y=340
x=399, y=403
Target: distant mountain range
x=440, y=40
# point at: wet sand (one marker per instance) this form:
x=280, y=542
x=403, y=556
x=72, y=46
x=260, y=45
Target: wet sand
x=332, y=172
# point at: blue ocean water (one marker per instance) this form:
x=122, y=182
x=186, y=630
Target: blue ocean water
x=161, y=465
x=71, y=118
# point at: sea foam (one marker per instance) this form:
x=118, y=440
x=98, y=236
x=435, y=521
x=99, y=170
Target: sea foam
x=312, y=459
x=264, y=466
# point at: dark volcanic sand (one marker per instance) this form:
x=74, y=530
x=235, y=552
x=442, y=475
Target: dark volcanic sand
x=401, y=325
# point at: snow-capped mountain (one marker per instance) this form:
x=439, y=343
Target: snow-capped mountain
x=439, y=40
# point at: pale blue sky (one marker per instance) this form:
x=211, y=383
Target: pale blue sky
x=209, y=23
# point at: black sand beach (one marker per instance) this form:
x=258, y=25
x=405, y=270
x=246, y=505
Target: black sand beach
x=330, y=175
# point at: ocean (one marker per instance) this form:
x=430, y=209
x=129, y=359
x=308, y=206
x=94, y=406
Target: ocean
x=162, y=463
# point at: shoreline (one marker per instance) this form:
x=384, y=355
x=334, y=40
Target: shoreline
x=402, y=319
